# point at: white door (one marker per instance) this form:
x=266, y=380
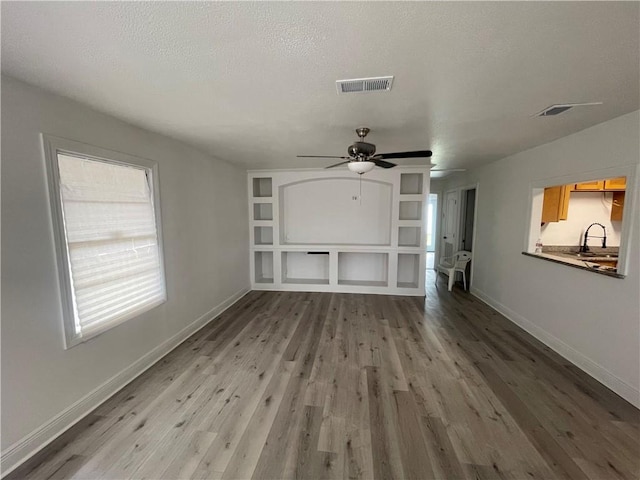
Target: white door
x=449, y=223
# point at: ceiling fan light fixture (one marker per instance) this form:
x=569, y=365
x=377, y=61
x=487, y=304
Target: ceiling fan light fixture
x=362, y=155
x=361, y=167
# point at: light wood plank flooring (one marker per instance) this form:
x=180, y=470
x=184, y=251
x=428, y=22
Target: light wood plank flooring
x=315, y=386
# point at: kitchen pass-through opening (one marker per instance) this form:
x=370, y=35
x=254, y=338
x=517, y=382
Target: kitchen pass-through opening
x=583, y=223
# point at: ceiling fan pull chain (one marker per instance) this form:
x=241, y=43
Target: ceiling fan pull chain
x=360, y=195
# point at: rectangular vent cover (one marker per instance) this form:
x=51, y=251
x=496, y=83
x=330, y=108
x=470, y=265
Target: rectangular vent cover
x=359, y=85
x=555, y=110
x=563, y=107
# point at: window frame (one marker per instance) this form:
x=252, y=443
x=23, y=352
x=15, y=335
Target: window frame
x=52, y=147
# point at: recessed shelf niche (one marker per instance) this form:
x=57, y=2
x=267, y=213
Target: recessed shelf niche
x=262, y=187
x=363, y=269
x=263, y=211
x=328, y=211
x=409, y=236
x=410, y=183
x=263, y=235
x=306, y=268
x=410, y=210
x=263, y=267
x=408, y=270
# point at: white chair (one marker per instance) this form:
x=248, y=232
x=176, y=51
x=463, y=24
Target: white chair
x=455, y=263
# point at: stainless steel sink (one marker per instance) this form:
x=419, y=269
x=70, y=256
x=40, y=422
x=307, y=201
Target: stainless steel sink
x=596, y=255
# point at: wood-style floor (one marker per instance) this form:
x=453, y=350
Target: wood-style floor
x=318, y=385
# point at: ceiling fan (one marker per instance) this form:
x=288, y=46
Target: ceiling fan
x=362, y=155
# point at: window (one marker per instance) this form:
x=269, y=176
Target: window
x=108, y=242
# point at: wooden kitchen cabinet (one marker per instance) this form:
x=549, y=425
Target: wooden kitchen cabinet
x=608, y=185
x=555, y=206
x=615, y=183
x=617, y=206
x=604, y=263
x=590, y=186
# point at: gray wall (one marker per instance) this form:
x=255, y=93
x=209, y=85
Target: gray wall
x=204, y=215
x=591, y=319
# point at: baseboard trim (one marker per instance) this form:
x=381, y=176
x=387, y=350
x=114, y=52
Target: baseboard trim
x=35, y=441
x=604, y=376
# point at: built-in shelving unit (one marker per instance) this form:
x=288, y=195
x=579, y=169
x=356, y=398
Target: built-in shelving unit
x=409, y=236
x=365, y=269
x=262, y=211
x=263, y=235
x=411, y=183
x=263, y=262
x=409, y=270
x=305, y=268
x=312, y=230
x=262, y=187
x=410, y=210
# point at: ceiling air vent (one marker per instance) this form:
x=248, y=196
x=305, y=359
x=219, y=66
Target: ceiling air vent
x=563, y=107
x=359, y=85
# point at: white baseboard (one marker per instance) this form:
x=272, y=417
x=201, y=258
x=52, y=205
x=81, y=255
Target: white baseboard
x=31, y=444
x=604, y=376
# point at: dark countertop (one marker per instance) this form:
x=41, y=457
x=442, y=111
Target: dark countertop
x=573, y=250
x=568, y=257
x=598, y=257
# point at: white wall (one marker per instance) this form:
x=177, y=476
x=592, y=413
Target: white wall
x=323, y=211
x=204, y=215
x=585, y=208
x=591, y=319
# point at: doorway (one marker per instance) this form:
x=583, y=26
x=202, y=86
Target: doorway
x=468, y=219
x=467, y=225
x=432, y=209
x=458, y=225
x=450, y=219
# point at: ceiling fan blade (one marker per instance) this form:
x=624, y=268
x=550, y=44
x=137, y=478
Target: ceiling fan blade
x=382, y=163
x=321, y=156
x=338, y=164
x=416, y=154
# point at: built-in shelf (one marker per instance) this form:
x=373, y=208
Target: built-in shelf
x=408, y=270
x=263, y=267
x=410, y=183
x=363, y=283
x=332, y=231
x=262, y=187
x=263, y=235
x=305, y=268
x=363, y=268
x=409, y=236
x=410, y=211
x=263, y=211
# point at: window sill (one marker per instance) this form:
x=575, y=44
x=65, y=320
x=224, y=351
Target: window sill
x=580, y=264
x=74, y=340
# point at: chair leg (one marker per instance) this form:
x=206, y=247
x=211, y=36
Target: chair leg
x=464, y=279
x=452, y=276
x=437, y=272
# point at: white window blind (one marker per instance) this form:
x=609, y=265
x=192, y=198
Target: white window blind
x=113, y=252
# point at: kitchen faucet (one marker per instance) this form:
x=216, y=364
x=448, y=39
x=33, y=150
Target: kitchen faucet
x=585, y=248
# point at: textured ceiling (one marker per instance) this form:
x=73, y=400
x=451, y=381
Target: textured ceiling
x=253, y=83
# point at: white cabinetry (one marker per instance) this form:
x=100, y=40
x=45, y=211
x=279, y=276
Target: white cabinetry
x=332, y=231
